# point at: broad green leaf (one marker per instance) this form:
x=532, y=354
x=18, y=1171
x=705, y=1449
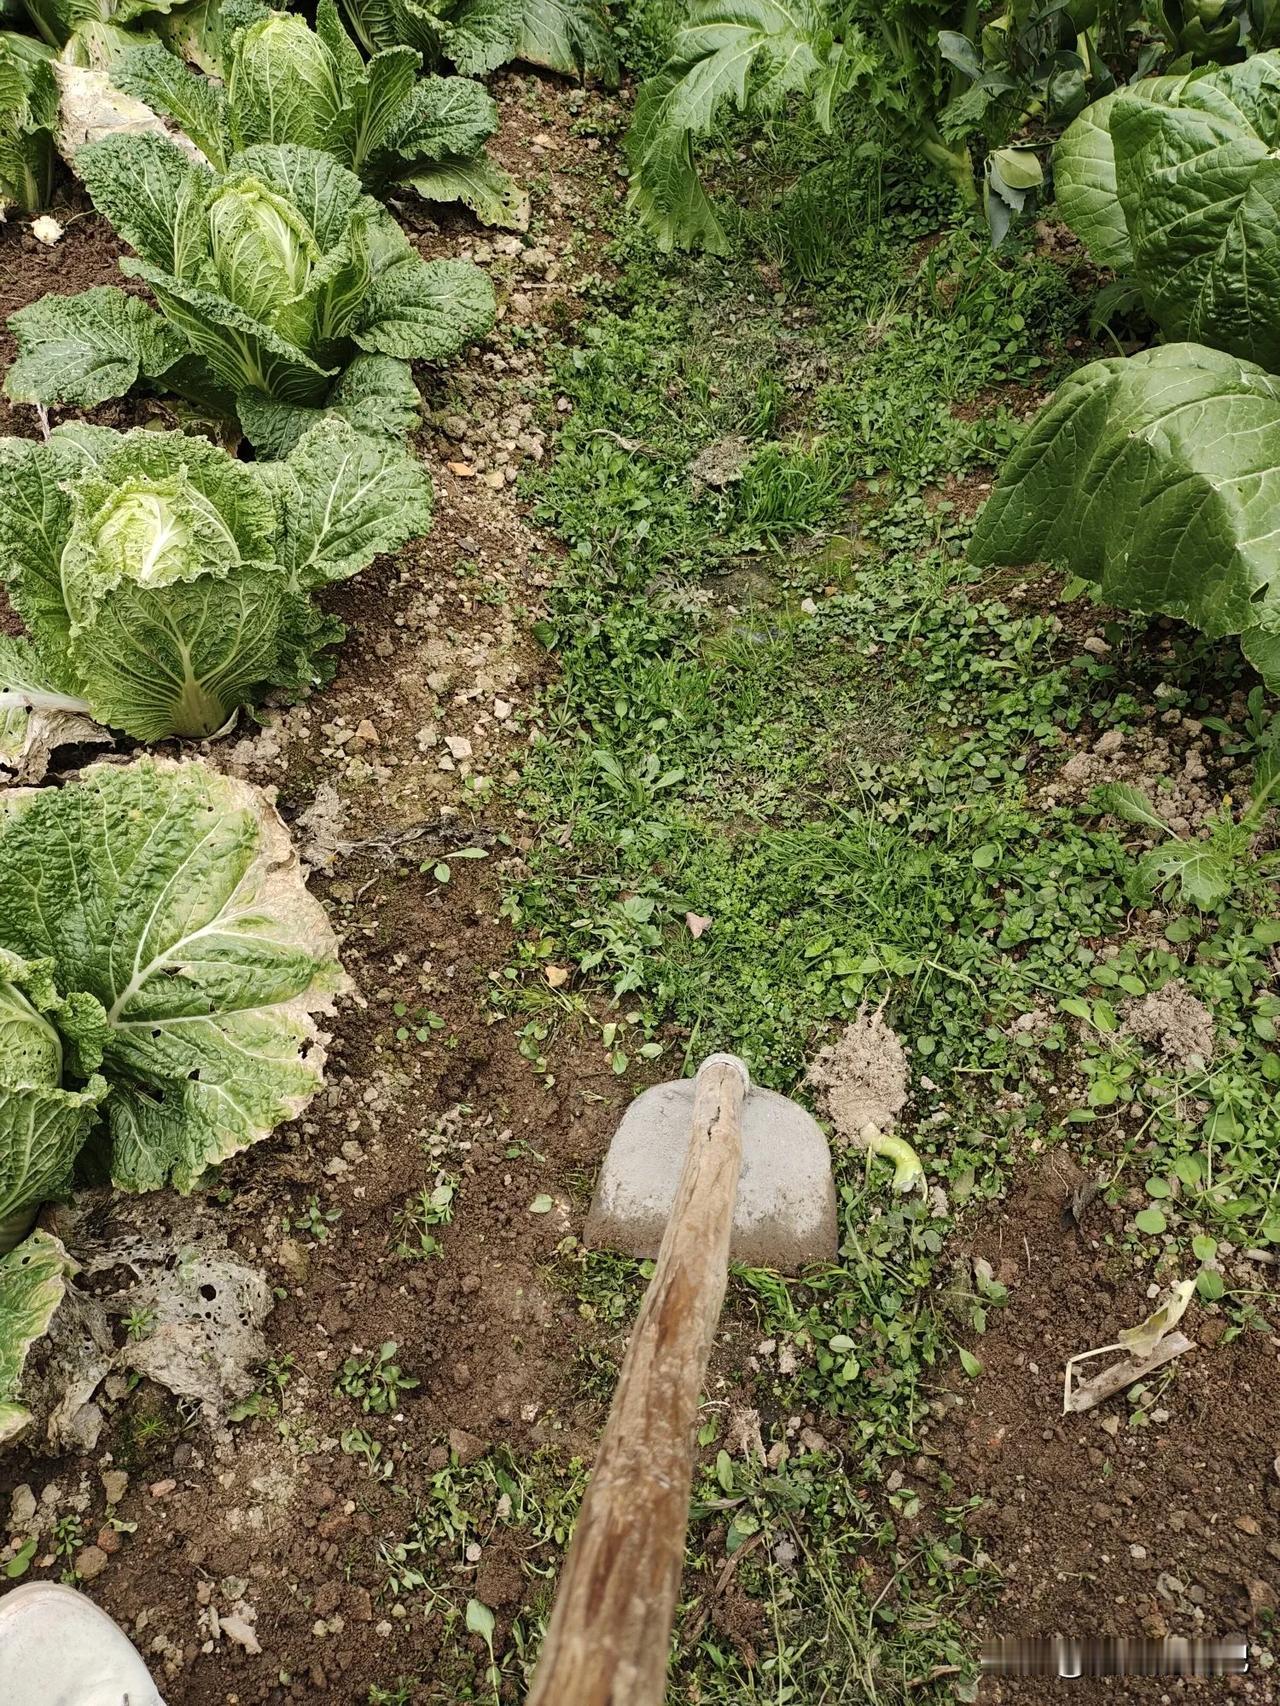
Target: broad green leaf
x=427, y=311
x=1200, y=872
x=169, y=897
x=1084, y=174
x=174, y=602
x=41, y=1133
x=347, y=58
x=197, y=105
x=1123, y=800
x=376, y=110
x=28, y=120
x=481, y=35
x=81, y=350
x=376, y=395
x=379, y=24
x=479, y=184
x=569, y=36
x=341, y=499
x=323, y=192
x=32, y=1284
x=1158, y=478
x=153, y=194
x=444, y=116
x=1178, y=179
x=241, y=352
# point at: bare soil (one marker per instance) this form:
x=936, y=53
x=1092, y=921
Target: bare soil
x=1099, y=1528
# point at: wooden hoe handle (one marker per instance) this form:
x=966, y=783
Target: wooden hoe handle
x=610, y=1629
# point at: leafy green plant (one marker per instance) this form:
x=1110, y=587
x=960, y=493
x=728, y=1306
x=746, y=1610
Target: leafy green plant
x=1202, y=871
x=569, y=36
x=288, y=83
x=415, y=1222
x=375, y=1381
x=28, y=119
x=1176, y=182
x=161, y=963
x=1158, y=478
x=156, y=914
x=164, y=583
x=753, y=53
x=91, y=32
x=284, y=291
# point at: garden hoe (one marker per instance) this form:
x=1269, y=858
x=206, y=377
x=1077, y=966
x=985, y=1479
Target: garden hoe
x=699, y=1171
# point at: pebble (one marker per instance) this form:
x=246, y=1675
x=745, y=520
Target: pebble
x=91, y=1561
x=459, y=746
x=109, y=1540
x=22, y=1507
x=161, y=1489
x=115, y=1483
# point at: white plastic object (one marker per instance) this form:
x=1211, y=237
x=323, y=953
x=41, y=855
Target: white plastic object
x=57, y=1648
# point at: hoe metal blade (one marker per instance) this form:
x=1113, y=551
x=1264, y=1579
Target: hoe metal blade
x=785, y=1216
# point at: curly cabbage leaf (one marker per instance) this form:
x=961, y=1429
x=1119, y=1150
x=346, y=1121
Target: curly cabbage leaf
x=271, y=278
x=33, y=1282
x=169, y=903
x=1177, y=180
x=164, y=583
x=1158, y=478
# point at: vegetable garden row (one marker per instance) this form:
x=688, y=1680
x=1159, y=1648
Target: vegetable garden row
x=163, y=969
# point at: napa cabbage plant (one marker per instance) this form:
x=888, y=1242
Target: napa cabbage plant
x=161, y=969
x=475, y=36
x=288, y=83
x=283, y=290
x=1175, y=181
x=92, y=32
x=28, y=121
x=1157, y=477
x=163, y=583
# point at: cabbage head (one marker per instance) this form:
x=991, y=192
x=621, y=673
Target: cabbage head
x=164, y=584
x=284, y=292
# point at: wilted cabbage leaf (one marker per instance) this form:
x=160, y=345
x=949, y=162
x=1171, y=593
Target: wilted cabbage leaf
x=187, y=957
x=32, y=1284
x=163, y=583
x=1177, y=180
x=271, y=278
x=1158, y=478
